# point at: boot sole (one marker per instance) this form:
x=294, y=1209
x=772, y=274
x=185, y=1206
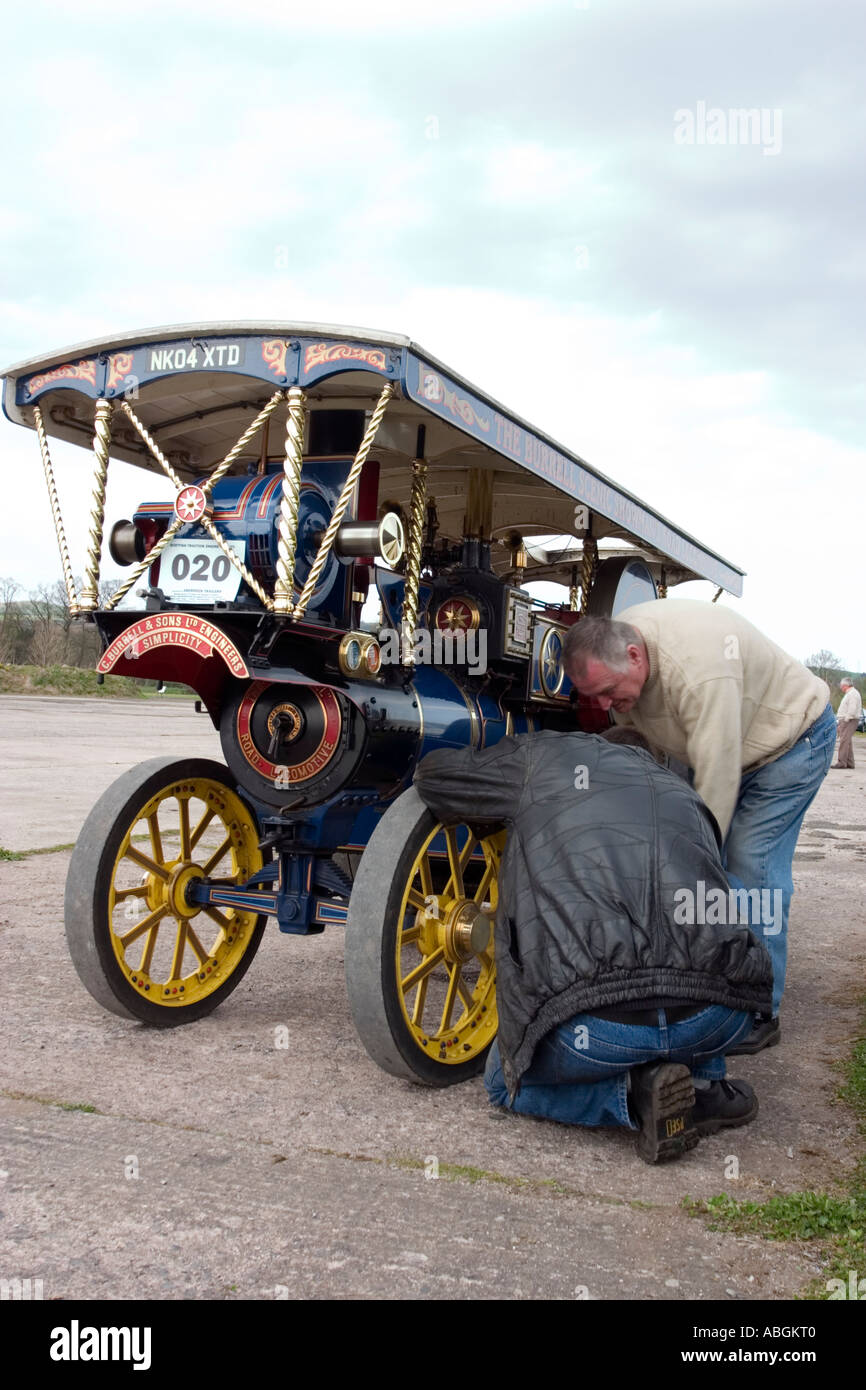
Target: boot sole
x=665, y=1112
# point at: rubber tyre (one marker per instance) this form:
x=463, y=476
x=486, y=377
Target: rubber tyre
x=371, y=945
x=89, y=882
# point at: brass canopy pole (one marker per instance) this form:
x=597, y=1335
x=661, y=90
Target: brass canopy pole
x=264, y=414
x=572, y=591
x=68, y=579
x=248, y=578
x=589, y=565
x=343, y=499
x=152, y=445
x=101, y=443
x=287, y=530
x=145, y=564
x=417, y=519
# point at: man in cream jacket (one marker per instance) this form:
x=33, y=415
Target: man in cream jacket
x=754, y=725
x=847, y=719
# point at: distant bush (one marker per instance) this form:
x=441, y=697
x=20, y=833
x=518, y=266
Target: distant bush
x=69, y=680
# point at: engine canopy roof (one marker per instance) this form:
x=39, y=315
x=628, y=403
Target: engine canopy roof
x=197, y=386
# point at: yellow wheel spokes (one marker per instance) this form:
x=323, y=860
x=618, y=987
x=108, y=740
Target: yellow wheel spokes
x=147, y=924
x=150, y=864
x=455, y=863
x=183, y=808
x=187, y=831
x=448, y=994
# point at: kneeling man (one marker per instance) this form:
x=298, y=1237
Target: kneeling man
x=617, y=998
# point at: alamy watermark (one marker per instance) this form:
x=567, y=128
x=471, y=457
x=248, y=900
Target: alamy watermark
x=21, y=1289
x=438, y=648
x=738, y=125
x=855, y=1287
x=718, y=907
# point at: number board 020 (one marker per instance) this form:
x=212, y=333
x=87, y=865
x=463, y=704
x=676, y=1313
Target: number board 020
x=197, y=571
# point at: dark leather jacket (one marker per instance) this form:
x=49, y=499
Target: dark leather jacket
x=601, y=839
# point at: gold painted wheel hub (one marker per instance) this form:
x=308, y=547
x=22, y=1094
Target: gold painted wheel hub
x=175, y=891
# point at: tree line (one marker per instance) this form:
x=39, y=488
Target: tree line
x=36, y=629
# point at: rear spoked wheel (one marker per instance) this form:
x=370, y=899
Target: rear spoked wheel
x=140, y=945
x=420, y=971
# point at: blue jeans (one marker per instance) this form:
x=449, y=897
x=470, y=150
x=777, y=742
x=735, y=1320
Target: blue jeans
x=759, y=849
x=579, y=1071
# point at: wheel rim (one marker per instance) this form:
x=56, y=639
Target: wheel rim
x=173, y=952
x=444, y=956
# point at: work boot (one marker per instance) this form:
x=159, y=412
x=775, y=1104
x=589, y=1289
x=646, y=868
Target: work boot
x=724, y=1105
x=662, y=1098
x=766, y=1032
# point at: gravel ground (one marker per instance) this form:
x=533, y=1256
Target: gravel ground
x=212, y=1163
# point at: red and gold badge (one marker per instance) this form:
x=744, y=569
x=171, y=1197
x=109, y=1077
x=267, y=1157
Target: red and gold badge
x=458, y=615
x=190, y=504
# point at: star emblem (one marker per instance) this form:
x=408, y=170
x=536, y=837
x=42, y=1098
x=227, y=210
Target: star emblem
x=552, y=674
x=190, y=504
x=457, y=615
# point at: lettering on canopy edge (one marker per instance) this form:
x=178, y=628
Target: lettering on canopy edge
x=173, y=630
x=434, y=391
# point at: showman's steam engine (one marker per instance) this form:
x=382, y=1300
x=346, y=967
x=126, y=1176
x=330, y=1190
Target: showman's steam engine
x=344, y=594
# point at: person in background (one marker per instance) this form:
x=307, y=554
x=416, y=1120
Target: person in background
x=847, y=719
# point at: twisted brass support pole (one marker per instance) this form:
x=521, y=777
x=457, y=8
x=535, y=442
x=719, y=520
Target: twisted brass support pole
x=589, y=565
x=264, y=414
x=287, y=527
x=238, y=563
x=152, y=445
x=145, y=564
x=101, y=443
x=153, y=554
x=68, y=579
x=417, y=519
x=343, y=500
x=572, y=591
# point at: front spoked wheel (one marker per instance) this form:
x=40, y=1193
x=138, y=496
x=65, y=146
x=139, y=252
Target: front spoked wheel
x=420, y=971
x=140, y=944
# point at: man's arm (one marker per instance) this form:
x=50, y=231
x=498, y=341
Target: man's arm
x=712, y=716
x=460, y=785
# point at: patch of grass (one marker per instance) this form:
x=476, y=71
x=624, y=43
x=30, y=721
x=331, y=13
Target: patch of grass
x=835, y=1221
x=77, y=680
x=794, y=1216
x=11, y=854
x=853, y=1092
x=50, y=1100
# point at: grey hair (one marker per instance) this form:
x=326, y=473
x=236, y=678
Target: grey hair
x=598, y=639
x=845, y=681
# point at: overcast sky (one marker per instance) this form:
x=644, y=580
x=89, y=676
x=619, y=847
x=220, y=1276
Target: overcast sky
x=554, y=198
